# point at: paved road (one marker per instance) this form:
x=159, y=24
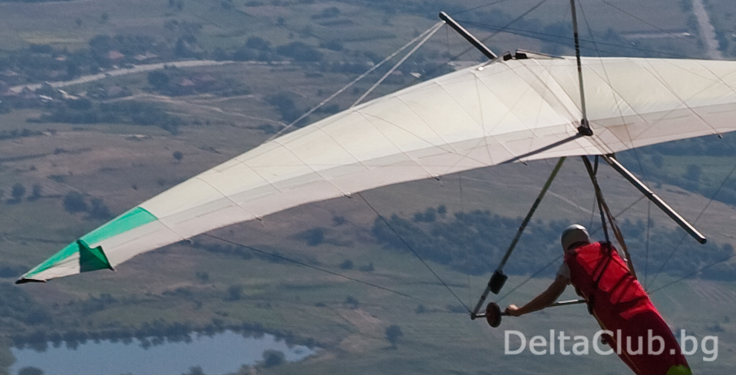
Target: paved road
x=120, y=72
x=707, y=31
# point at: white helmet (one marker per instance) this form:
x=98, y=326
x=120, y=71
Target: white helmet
x=573, y=234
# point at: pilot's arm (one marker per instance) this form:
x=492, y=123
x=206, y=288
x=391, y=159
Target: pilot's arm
x=543, y=300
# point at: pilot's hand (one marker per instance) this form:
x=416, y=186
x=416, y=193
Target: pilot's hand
x=512, y=310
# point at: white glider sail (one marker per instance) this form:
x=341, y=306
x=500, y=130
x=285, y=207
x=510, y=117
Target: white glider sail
x=503, y=111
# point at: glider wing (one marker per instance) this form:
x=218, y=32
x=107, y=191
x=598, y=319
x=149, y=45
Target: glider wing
x=503, y=111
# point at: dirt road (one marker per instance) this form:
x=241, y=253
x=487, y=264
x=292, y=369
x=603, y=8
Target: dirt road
x=707, y=31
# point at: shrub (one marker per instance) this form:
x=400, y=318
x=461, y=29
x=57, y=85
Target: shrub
x=99, y=210
x=272, y=358
x=18, y=192
x=74, y=202
x=234, y=293
x=393, y=333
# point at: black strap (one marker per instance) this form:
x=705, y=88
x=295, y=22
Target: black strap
x=606, y=214
x=598, y=195
x=598, y=271
x=606, y=247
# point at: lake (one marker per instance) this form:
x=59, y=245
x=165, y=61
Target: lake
x=218, y=354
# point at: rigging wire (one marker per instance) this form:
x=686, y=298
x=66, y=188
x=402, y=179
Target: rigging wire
x=430, y=72
x=608, y=80
x=636, y=152
x=515, y=20
x=712, y=198
x=611, y=44
x=425, y=35
x=506, y=28
x=535, y=274
x=568, y=194
x=411, y=248
x=693, y=273
x=593, y=231
x=432, y=29
x=558, y=38
x=447, y=37
x=281, y=257
x=481, y=6
x=646, y=256
x=498, y=31
x=592, y=213
x=638, y=158
x=396, y=66
x=460, y=184
x=598, y=196
x=649, y=24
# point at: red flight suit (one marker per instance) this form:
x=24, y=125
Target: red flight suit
x=621, y=305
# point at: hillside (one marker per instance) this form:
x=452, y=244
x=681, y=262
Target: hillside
x=94, y=149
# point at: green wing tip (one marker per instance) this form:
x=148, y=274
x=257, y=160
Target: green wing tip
x=23, y=280
x=92, y=259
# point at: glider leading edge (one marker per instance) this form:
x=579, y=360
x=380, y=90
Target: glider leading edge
x=489, y=114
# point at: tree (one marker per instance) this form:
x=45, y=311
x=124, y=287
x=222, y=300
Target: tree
x=234, y=292
x=245, y=54
x=35, y=192
x=338, y=220
x=99, y=209
x=18, y=192
x=367, y=268
x=285, y=105
x=657, y=159
x=393, y=333
x=195, y=371
x=74, y=202
x=314, y=236
x=258, y=43
x=158, y=79
x=693, y=173
x=272, y=358
x=300, y=52
x=72, y=69
x=30, y=371
x=203, y=276
x=351, y=302
x=178, y=156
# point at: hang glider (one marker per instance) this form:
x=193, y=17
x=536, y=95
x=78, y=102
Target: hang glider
x=514, y=108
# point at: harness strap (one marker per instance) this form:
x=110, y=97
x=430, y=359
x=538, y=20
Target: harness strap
x=606, y=214
x=620, y=238
x=598, y=195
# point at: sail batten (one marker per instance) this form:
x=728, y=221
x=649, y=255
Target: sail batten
x=476, y=117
